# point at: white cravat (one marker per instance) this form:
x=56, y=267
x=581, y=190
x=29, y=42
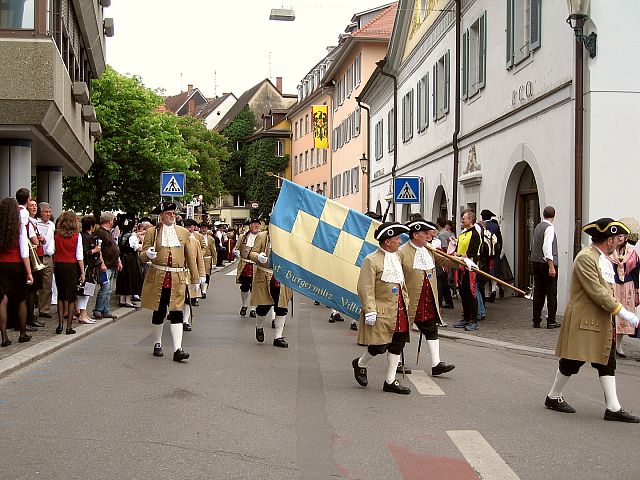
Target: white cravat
x=169, y=236
x=606, y=268
x=423, y=259
x=251, y=239
x=392, y=269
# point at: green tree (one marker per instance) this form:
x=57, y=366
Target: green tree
x=262, y=158
x=137, y=144
x=240, y=128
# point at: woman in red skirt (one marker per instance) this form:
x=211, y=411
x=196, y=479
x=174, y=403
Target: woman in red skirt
x=15, y=268
x=68, y=267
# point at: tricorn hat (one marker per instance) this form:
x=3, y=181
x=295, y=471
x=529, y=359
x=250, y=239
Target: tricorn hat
x=605, y=228
x=164, y=207
x=189, y=222
x=389, y=230
x=205, y=225
x=420, y=225
x=251, y=220
x=487, y=214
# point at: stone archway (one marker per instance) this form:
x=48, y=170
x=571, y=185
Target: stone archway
x=440, y=207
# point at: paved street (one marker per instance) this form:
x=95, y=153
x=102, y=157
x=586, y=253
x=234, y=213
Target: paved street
x=104, y=407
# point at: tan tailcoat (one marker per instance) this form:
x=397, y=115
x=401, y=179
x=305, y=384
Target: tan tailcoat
x=244, y=254
x=587, y=330
x=183, y=256
x=194, y=289
x=377, y=296
x=209, y=252
x=414, y=278
x=260, y=291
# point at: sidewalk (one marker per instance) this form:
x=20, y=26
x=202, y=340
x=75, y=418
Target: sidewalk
x=508, y=326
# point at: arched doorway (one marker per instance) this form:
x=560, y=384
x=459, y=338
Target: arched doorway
x=379, y=208
x=440, y=209
x=406, y=211
x=527, y=217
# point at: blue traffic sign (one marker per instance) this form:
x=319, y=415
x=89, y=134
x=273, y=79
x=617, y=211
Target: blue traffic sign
x=172, y=184
x=406, y=190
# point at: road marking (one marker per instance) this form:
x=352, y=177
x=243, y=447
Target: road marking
x=232, y=272
x=481, y=456
x=424, y=383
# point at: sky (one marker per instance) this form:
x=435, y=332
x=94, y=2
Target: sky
x=223, y=46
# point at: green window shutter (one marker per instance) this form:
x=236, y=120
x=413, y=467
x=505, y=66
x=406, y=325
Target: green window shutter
x=509, y=33
x=465, y=63
x=447, y=83
x=435, y=92
x=536, y=23
x=419, y=109
x=426, y=100
x=482, y=54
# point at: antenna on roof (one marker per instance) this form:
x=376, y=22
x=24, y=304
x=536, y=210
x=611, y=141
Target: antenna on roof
x=269, y=64
x=180, y=81
x=215, y=84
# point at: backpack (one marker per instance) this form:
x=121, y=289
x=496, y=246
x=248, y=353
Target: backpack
x=487, y=247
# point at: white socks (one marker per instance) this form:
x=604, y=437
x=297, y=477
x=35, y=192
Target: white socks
x=393, y=361
x=186, y=313
x=608, y=383
x=204, y=286
x=558, y=385
x=619, y=337
x=365, y=359
x=245, y=298
x=176, y=334
x=157, y=333
x=259, y=321
x=273, y=314
x=434, y=351
x=279, y=326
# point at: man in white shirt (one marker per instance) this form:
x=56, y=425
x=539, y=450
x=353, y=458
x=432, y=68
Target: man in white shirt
x=46, y=229
x=544, y=260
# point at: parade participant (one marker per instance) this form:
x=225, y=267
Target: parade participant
x=419, y=268
x=209, y=254
x=468, y=246
x=384, y=324
x=587, y=332
x=221, y=243
x=194, y=291
x=266, y=291
x=173, y=264
x=244, y=272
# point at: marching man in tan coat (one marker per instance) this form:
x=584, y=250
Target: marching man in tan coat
x=172, y=266
x=384, y=323
x=244, y=273
x=267, y=292
x=209, y=255
x=419, y=268
x=195, y=290
x=587, y=332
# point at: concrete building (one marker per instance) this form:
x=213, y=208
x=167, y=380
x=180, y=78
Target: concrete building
x=498, y=132
x=50, y=51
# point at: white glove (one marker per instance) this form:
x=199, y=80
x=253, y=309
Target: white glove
x=627, y=316
x=370, y=318
x=203, y=280
x=236, y=253
x=151, y=253
x=262, y=258
x=469, y=263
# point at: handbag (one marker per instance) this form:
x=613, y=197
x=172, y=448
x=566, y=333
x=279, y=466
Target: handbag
x=88, y=287
x=506, y=273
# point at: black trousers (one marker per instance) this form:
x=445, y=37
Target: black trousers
x=469, y=300
x=429, y=328
x=222, y=254
x=245, y=283
x=395, y=347
x=444, y=292
x=569, y=367
x=262, y=310
x=175, y=316
x=545, y=287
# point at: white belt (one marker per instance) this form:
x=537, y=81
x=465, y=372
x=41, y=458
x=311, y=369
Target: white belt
x=264, y=269
x=169, y=269
x=207, y=256
x=246, y=260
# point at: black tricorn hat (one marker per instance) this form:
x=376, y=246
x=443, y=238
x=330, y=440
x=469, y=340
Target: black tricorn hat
x=605, y=228
x=420, y=225
x=205, y=224
x=389, y=230
x=189, y=222
x=164, y=207
x=487, y=214
x=374, y=215
x=251, y=220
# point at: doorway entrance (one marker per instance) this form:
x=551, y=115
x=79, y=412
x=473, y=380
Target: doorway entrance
x=528, y=216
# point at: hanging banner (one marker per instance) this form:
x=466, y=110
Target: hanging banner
x=320, y=116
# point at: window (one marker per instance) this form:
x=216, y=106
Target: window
x=295, y=130
x=378, y=140
x=306, y=160
x=301, y=169
x=355, y=181
x=474, y=57
x=311, y=163
x=346, y=182
x=407, y=116
x=324, y=152
x=324, y=188
x=295, y=165
x=349, y=80
x=357, y=69
x=324, y=156
x=17, y=14
x=238, y=200
x=524, y=29
x=441, y=87
x=391, y=134
x=279, y=148
x=306, y=124
x=423, y=103
x=357, y=122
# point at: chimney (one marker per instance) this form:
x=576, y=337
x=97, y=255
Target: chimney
x=189, y=87
x=279, y=84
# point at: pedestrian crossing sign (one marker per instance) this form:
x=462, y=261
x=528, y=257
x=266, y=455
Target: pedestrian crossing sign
x=172, y=184
x=406, y=189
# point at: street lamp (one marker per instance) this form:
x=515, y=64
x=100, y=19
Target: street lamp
x=577, y=17
x=364, y=164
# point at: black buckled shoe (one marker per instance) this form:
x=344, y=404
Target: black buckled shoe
x=180, y=355
x=252, y=314
x=620, y=416
x=157, y=350
x=243, y=311
x=536, y=323
x=204, y=296
x=360, y=373
x=337, y=317
x=559, y=405
x=441, y=368
x=395, y=387
x=280, y=342
x=331, y=319
x=407, y=370
x=354, y=326
x=553, y=324
x=186, y=327
x=260, y=334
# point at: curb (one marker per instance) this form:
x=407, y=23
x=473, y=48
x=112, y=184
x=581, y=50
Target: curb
x=497, y=344
x=36, y=352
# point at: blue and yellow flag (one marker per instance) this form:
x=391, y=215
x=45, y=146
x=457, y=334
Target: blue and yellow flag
x=317, y=247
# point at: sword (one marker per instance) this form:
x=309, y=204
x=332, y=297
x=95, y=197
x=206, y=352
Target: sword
x=402, y=358
x=419, y=345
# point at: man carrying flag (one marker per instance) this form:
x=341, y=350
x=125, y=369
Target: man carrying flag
x=384, y=323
